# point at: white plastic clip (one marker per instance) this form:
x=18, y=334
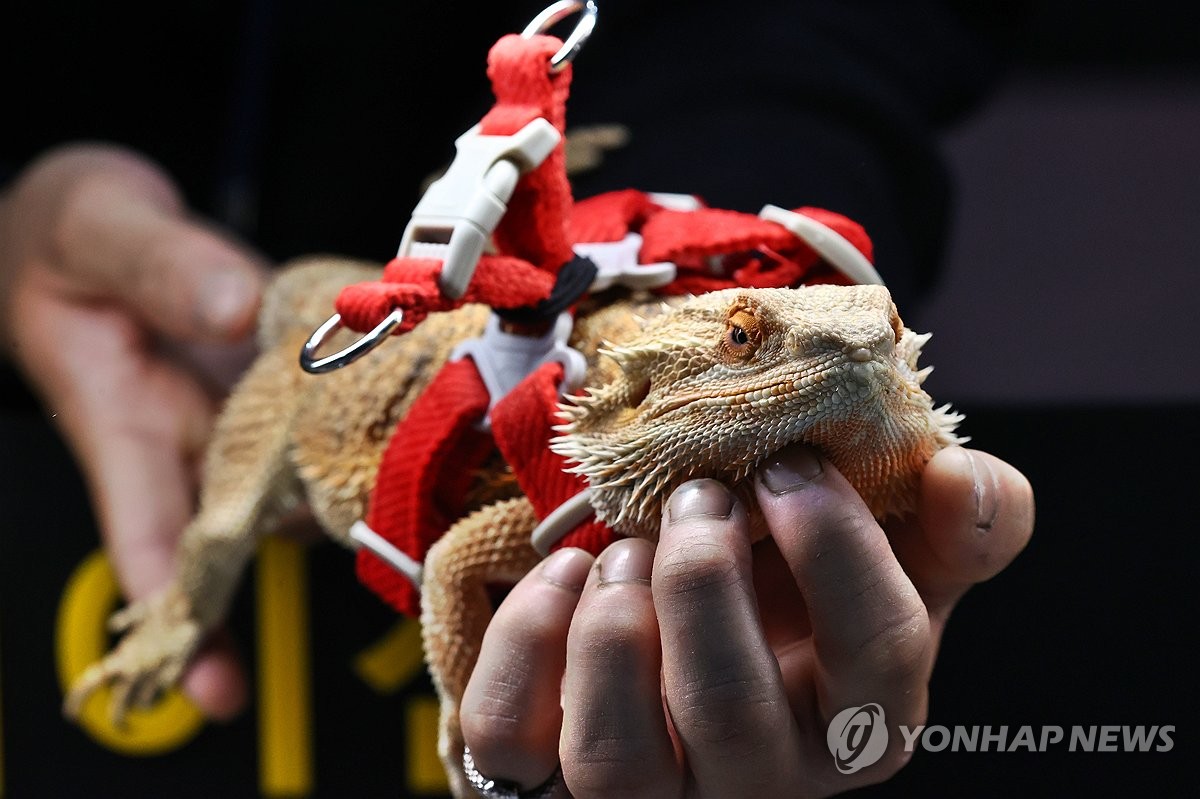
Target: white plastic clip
x=827, y=242
x=675, y=202
x=379, y=546
x=505, y=359
x=617, y=264
x=560, y=521
x=455, y=218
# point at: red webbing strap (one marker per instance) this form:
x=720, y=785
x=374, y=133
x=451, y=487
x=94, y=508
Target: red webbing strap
x=609, y=216
x=522, y=427
x=535, y=226
x=850, y=230
x=759, y=253
x=424, y=476
x=754, y=252
x=411, y=283
x=688, y=237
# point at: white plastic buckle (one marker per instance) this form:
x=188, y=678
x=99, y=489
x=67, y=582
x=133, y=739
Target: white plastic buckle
x=364, y=536
x=827, y=242
x=505, y=359
x=617, y=264
x=458, y=213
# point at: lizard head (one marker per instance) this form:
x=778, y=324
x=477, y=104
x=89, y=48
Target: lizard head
x=721, y=381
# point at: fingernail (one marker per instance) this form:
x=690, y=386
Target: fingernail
x=987, y=493
x=790, y=469
x=567, y=568
x=700, y=498
x=625, y=562
x=226, y=299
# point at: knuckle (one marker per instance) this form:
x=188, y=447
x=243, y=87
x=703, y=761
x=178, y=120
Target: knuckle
x=500, y=709
x=900, y=650
x=700, y=570
x=492, y=728
x=605, y=766
x=731, y=712
x=610, y=748
x=524, y=632
x=614, y=630
x=504, y=737
x=848, y=522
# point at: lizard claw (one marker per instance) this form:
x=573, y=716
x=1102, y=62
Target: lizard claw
x=161, y=639
x=125, y=618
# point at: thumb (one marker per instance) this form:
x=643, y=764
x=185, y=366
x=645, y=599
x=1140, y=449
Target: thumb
x=974, y=515
x=122, y=234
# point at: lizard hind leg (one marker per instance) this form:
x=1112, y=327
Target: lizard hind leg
x=162, y=637
x=487, y=547
x=246, y=482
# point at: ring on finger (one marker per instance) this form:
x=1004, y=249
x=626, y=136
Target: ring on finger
x=489, y=788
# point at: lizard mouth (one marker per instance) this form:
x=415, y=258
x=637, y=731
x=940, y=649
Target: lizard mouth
x=740, y=397
x=846, y=381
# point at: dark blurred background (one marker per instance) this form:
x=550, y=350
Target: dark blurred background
x=1028, y=172
x=1071, y=268
x=1061, y=325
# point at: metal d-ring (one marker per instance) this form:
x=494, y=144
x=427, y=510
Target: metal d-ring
x=555, y=12
x=316, y=366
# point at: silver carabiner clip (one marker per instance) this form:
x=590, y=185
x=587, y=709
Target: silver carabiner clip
x=556, y=12
x=309, y=361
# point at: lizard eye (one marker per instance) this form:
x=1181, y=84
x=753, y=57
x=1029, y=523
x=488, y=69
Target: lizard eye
x=743, y=334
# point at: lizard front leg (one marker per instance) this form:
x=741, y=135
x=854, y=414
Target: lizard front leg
x=488, y=547
x=246, y=482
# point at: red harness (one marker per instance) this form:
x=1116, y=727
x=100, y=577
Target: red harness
x=438, y=447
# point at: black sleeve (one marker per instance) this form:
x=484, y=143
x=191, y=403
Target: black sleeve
x=832, y=104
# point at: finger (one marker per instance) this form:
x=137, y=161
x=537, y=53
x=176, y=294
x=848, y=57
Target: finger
x=133, y=423
x=510, y=714
x=143, y=498
x=722, y=683
x=122, y=234
x=974, y=516
x=871, y=634
x=216, y=678
x=615, y=741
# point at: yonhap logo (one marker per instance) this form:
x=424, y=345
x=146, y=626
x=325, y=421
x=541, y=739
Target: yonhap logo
x=857, y=737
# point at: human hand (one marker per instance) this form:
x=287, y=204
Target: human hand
x=707, y=667
x=126, y=316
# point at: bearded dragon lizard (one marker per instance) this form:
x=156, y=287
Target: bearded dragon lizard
x=699, y=387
